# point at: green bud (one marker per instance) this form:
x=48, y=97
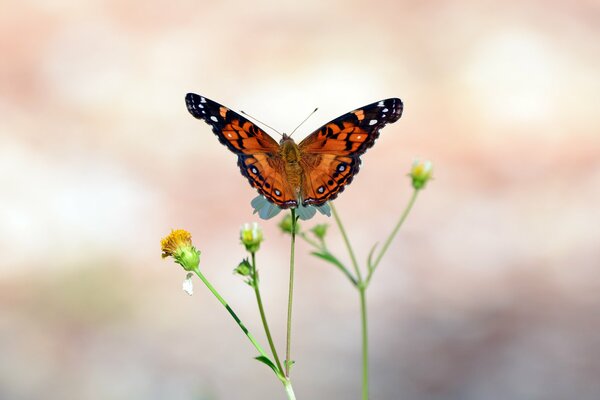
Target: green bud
x=420, y=173
x=251, y=236
x=244, y=268
x=320, y=231
x=188, y=258
x=286, y=224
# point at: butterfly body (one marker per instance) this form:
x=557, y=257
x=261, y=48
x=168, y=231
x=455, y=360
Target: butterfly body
x=292, y=157
x=309, y=173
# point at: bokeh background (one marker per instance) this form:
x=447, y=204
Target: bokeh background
x=491, y=290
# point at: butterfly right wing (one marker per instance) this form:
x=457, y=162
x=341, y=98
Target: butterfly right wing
x=331, y=154
x=258, y=153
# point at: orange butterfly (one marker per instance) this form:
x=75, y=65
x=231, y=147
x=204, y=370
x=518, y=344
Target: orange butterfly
x=312, y=172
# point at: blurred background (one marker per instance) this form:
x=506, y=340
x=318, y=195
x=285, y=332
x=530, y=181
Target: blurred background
x=490, y=291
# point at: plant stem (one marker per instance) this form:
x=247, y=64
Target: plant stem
x=288, y=341
x=310, y=241
x=262, y=314
x=411, y=202
x=289, y=390
x=365, y=343
x=232, y=313
x=348, y=245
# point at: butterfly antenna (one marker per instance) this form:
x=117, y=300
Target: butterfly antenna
x=259, y=121
x=305, y=119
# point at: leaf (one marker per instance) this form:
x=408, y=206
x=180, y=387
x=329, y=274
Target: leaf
x=370, y=258
x=289, y=364
x=331, y=259
x=267, y=361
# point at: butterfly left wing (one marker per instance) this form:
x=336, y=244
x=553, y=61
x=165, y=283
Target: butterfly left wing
x=258, y=153
x=331, y=154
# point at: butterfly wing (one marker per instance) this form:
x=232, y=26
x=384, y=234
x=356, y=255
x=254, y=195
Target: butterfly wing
x=258, y=153
x=331, y=154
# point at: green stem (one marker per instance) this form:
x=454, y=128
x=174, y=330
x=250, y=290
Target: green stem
x=288, y=341
x=310, y=241
x=348, y=245
x=289, y=390
x=262, y=314
x=365, y=343
x=232, y=313
x=411, y=202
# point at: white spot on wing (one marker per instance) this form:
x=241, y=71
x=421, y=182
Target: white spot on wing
x=212, y=117
x=380, y=104
x=372, y=122
x=385, y=110
x=202, y=100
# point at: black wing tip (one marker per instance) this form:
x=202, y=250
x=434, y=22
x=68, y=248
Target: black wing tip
x=192, y=98
x=396, y=106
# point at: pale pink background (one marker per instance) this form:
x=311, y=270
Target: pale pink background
x=491, y=291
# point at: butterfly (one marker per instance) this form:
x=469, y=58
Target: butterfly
x=309, y=173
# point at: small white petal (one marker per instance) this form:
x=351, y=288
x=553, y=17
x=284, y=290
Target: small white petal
x=427, y=166
x=188, y=285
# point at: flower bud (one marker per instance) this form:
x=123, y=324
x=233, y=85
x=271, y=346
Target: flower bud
x=244, y=268
x=420, y=173
x=286, y=224
x=251, y=237
x=320, y=231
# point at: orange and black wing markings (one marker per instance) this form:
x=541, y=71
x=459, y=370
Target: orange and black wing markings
x=233, y=130
x=354, y=132
x=258, y=154
x=266, y=174
x=329, y=157
x=327, y=176
x=332, y=153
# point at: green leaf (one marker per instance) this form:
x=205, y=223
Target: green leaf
x=370, y=258
x=289, y=364
x=267, y=361
x=325, y=255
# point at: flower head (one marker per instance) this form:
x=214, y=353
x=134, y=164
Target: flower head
x=320, y=231
x=178, y=244
x=286, y=224
x=420, y=173
x=251, y=236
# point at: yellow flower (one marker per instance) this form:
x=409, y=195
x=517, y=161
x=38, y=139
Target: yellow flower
x=420, y=173
x=178, y=244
